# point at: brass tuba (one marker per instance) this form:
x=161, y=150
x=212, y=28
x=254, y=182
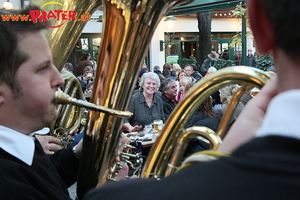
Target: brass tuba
x=127, y=31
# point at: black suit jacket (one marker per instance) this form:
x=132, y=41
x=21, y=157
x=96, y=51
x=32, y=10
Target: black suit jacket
x=265, y=168
x=168, y=106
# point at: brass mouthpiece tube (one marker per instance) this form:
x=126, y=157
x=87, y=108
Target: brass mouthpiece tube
x=62, y=98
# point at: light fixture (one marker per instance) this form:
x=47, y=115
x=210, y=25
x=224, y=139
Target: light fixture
x=170, y=27
x=169, y=30
x=7, y=5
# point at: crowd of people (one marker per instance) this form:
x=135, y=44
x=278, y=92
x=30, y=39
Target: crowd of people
x=262, y=143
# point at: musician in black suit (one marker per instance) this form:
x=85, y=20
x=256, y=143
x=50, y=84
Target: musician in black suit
x=264, y=140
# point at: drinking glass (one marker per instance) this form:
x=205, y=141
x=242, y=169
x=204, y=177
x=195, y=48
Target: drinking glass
x=148, y=130
x=157, y=124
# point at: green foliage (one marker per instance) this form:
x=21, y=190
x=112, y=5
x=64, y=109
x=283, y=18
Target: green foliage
x=264, y=62
x=236, y=39
x=220, y=63
x=239, y=12
x=184, y=62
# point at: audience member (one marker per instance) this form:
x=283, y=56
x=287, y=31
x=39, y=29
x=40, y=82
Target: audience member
x=216, y=95
x=211, y=70
x=69, y=67
x=204, y=116
x=89, y=91
x=191, y=70
x=207, y=63
x=251, y=59
x=180, y=75
x=167, y=74
x=182, y=87
x=264, y=140
x=167, y=66
x=145, y=105
x=170, y=68
x=156, y=69
x=168, y=86
x=177, y=69
x=86, y=78
x=143, y=70
x=85, y=61
x=226, y=94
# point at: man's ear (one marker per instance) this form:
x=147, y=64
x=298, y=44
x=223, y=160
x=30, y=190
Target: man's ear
x=260, y=26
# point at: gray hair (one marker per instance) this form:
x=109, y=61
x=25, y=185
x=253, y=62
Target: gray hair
x=156, y=68
x=211, y=70
x=149, y=75
x=228, y=91
x=165, y=85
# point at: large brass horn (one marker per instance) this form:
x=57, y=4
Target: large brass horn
x=157, y=165
x=127, y=31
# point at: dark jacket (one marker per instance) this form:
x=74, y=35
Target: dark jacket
x=251, y=61
x=199, y=119
x=196, y=75
x=205, y=66
x=264, y=168
x=168, y=105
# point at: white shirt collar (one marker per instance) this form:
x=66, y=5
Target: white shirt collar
x=17, y=144
x=283, y=116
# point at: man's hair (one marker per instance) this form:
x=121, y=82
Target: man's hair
x=167, y=66
x=283, y=16
x=156, y=68
x=85, y=55
x=69, y=66
x=166, y=72
x=11, y=56
x=193, y=66
x=165, y=84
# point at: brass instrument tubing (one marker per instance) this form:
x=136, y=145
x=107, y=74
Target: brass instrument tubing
x=197, y=132
x=62, y=98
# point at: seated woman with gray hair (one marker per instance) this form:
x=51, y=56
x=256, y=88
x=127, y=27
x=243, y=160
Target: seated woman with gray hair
x=145, y=105
x=226, y=94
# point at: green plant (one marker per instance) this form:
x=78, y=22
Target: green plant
x=264, y=62
x=239, y=12
x=219, y=64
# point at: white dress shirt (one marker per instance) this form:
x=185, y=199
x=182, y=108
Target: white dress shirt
x=17, y=144
x=283, y=116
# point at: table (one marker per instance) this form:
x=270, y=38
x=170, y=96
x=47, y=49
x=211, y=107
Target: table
x=148, y=143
